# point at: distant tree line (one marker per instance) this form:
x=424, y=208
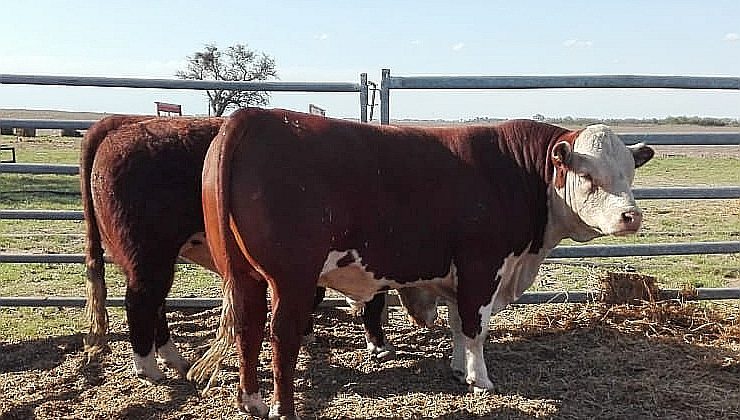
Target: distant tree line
x=571, y=121
x=681, y=120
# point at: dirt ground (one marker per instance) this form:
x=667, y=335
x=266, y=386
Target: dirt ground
x=547, y=362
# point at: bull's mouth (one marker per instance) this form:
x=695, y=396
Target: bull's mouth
x=626, y=232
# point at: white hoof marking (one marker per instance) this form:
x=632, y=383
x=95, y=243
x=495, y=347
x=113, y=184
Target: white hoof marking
x=146, y=367
x=169, y=354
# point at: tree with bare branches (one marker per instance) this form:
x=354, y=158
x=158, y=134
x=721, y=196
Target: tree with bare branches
x=236, y=63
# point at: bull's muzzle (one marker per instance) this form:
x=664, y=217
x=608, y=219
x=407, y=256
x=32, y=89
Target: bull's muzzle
x=630, y=222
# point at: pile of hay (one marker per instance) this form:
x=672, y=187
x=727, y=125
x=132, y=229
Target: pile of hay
x=623, y=287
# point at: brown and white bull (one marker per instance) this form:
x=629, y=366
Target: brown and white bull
x=466, y=213
x=140, y=184
x=141, y=190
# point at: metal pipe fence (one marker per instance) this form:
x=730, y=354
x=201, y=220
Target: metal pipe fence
x=389, y=82
x=528, y=298
x=137, y=83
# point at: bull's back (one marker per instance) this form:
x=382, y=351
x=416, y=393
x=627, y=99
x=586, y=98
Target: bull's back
x=146, y=185
x=312, y=185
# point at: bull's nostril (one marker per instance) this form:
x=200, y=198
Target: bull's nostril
x=632, y=218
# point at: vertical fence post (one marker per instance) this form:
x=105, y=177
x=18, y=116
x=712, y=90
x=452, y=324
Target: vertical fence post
x=363, y=97
x=385, y=97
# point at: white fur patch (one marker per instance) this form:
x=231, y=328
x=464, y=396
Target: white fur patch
x=275, y=412
x=169, y=354
x=146, y=367
x=359, y=284
x=516, y=274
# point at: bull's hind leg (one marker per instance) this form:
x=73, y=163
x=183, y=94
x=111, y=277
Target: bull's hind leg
x=308, y=334
x=166, y=350
x=247, y=295
x=145, y=294
x=291, y=312
x=373, y=315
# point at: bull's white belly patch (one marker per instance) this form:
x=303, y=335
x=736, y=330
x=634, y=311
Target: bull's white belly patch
x=344, y=271
x=516, y=274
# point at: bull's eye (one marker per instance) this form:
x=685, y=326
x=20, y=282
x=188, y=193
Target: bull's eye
x=588, y=183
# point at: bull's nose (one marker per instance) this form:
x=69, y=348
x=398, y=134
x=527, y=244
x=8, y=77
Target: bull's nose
x=632, y=219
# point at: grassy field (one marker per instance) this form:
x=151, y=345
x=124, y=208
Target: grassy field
x=665, y=221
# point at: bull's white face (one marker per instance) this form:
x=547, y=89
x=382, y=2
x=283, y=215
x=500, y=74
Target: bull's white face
x=595, y=198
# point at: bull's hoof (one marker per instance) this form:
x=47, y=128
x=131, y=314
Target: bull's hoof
x=383, y=354
x=275, y=414
x=253, y=404
x=146, y=380
x=478, y=390
x=479, y=386
x=94, y=348
x=146, y=369
x=169, y=354
x=181, y=368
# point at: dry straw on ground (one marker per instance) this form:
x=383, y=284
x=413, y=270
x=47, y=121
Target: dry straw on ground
x=659, y=360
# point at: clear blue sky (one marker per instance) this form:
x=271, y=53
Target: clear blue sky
x=337, y=40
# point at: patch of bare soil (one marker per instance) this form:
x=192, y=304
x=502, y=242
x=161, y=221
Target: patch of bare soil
x=547, y=361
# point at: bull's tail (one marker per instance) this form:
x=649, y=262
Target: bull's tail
x=221, y=241
x=95, y=290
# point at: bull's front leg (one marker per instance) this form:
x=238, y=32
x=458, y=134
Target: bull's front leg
x=468, y=364
x=469, y=317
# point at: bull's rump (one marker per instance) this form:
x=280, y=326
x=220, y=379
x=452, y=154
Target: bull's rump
x=145, y=184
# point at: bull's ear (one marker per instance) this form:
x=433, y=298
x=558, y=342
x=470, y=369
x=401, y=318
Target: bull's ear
x=561, y=154
x=641, y=153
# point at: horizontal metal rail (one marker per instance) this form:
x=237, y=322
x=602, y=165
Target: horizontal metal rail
x=528, y=298
x=41, y=215
x=646, y=250
x=683, y=139
x=663, y=193
x=577, y=251
x=693, y=193
x=38, y=169
x=563, y=82
x=47, y=124
x=124, y=82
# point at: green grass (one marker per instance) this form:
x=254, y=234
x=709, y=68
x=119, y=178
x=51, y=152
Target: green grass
x=22, y=323
x=689, y=171
x=57, y=150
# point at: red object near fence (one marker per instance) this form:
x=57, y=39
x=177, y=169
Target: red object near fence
x=169, y=109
